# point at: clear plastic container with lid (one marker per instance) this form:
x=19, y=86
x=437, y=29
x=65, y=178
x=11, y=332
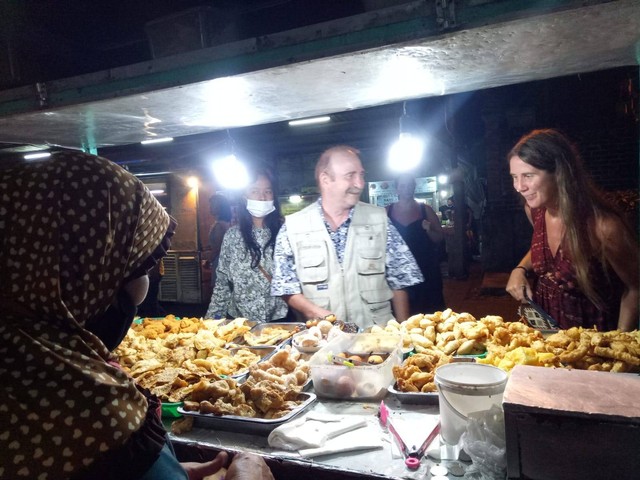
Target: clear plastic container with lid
x=356, y=366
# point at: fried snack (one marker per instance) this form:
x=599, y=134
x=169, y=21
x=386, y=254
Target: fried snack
x=520, y=356
x=268, y=336
x=470, y=347
x=161, y=328
x=331, y=318
x=270, y=391
x=576, y=347
x=233, y=329
x=511, y=343
x=170, y=356
x=619, y=355
x=416, y=374
x=446, y=331
x=182, y=425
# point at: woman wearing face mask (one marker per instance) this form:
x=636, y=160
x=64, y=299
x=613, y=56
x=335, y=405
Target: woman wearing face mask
x=243, y=281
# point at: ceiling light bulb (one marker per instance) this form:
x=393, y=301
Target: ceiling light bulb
x=157, y=140
x=230, y=173
x=309, y=121
x=406, y=153
x=192, y=182
x=35, y=156
x=151, y=174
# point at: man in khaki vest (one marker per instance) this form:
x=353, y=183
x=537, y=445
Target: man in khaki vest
x=341, y=256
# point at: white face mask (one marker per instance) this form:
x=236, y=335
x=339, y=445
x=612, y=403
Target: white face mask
x=260, y=208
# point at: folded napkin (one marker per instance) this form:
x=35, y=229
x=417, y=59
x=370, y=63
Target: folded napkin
x=364, y=438
x=313, y=430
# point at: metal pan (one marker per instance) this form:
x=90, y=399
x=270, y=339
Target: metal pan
x=414, y=398
x=287, y=328
x=260, y=426
x=264, y=352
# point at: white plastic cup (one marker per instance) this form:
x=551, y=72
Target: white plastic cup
x=465, y=388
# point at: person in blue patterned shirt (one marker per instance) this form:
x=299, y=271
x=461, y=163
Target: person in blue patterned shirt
x=341, y=256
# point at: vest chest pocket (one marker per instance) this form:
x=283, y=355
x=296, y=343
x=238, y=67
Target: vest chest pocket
x=370, y=251
x=312, y=261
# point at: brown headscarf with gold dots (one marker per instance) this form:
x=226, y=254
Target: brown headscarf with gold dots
x=73, y=229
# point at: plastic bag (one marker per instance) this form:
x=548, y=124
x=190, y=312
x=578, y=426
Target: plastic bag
x=484, y=442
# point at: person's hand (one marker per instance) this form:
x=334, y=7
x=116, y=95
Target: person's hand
x=517, y=284
x=198, y=471
x=426, y=225
x=247, y=466
x=319, y=312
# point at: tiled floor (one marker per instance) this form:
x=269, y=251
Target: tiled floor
x=479, y=294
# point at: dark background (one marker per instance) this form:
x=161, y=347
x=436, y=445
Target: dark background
x=46, y=40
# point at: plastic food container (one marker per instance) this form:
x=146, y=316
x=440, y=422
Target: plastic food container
x=340, y=378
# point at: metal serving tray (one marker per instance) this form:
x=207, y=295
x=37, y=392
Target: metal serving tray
x=259, y=426
x=290, y=327
x=250, y=323
x=414, y=398
x=429, y=398
x=265, y=352
x=237, y=340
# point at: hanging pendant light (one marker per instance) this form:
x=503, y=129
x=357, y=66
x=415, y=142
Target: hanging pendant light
x=406, y=153
x=229, y=171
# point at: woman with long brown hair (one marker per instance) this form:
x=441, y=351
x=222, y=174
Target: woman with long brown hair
x=583, y=260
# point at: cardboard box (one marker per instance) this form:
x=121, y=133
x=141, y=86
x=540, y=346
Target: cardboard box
x=572, y=424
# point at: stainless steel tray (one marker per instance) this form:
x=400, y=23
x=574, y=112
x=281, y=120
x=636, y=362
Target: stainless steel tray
x=250, y=323
x=414, y=398
x=265, y=352
x=259, y=426
x=289, y=327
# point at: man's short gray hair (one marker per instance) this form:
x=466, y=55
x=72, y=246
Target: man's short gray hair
x=324, y=161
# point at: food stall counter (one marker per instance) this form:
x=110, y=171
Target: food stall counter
x=382, y=462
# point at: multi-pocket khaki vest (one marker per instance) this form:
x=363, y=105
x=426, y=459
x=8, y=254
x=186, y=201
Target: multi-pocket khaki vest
x=357, y=290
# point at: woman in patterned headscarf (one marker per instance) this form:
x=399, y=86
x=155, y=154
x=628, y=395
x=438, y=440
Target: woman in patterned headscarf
x=77, y=236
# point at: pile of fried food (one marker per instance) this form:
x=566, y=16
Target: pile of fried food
x=170, y=356
x=416, y=374
x=270, y=391
x=437, y=337
x=319, y=332
x=585, y=349
x=269, y=335
x=448, y=332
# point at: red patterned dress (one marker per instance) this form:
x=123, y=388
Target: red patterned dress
x=556, y=288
